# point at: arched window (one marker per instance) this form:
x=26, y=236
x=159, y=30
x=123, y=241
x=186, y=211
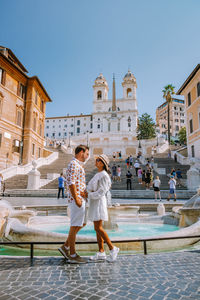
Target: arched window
x=129, y=93
x=42, y=105
x=99, y=95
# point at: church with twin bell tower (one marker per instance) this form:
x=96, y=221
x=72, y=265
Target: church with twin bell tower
x=112, y=125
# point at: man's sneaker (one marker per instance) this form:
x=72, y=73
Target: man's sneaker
x=64, y=251
x=113, y=254
x=98, y=256
x=77, y=260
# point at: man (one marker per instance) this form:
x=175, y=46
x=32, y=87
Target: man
x=128, y=180
x=172, y=188
x=61, y=187
x=178, y=177
x=114, y=172
x=136, y=166
x=77, y=194
x=131, y=161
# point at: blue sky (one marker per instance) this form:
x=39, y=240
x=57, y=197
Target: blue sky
x=67, y=43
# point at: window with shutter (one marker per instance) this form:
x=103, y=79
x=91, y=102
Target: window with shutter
x=34, y=124
x=192, y=150
x=189, y=99
x=191, y=126
x=19, y=118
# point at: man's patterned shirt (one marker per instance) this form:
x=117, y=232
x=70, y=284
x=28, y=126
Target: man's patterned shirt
x=76, y=176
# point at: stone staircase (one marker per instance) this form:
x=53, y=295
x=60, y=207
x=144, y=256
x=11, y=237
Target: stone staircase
x=20, y=181
x=62, y=162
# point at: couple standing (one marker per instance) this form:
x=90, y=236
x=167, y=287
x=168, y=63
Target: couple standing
x=96, y=192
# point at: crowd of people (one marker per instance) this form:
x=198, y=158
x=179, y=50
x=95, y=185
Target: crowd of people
x=144, y=175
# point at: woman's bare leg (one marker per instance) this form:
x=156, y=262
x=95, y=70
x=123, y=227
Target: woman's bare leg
x=100, y=242
x=99, y=229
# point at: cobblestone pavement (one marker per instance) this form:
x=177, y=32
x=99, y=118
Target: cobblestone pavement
x=162, y=276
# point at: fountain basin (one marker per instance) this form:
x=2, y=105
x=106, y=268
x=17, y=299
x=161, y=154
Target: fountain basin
x=20, y=232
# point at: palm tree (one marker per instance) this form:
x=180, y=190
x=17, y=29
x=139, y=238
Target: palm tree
x=168, y=91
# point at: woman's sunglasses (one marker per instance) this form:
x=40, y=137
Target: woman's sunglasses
x=98, y=159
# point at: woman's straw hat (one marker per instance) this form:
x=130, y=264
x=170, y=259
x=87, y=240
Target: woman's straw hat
x=104, y=159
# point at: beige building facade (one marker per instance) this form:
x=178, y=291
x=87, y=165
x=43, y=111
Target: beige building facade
x=22, y=112
x=177, y=117
x=191, y=91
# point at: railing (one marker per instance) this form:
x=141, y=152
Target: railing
x=94, y=242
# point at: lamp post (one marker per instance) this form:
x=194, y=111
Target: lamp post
x=20, y=152
x=139, y=146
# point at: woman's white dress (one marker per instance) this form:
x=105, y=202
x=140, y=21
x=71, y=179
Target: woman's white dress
x=98, y=190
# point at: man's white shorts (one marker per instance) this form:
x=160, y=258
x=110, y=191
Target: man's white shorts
x=77, y=214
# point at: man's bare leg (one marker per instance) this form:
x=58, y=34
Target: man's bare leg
x=70, y=242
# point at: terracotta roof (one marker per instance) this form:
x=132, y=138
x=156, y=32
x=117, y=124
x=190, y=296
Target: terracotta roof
x=14, y=59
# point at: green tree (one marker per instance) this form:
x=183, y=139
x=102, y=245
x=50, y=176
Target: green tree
x=146, y=127
x=168, y=91
x=182, y=136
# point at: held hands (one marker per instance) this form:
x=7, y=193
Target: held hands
x=84, y=194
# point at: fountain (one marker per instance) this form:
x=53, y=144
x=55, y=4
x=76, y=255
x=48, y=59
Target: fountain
x=25, y=225
x=190, y=212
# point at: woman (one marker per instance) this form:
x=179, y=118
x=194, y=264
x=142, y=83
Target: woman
x=140, y=176
x=118, y=173
x=98, y=188
x=143, y=177
x=148, y=178
x=156, y=187
x=173, y=172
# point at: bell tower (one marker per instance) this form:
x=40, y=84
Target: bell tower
x=100, y=88
x=129, y=86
